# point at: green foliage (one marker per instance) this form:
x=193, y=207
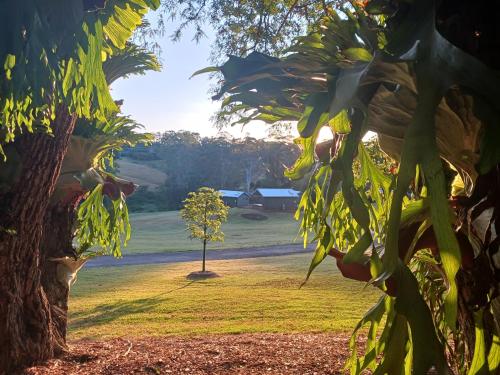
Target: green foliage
x=57, y=53
x=103, y=224
x=396, y=80
x=53, y=54
x=103, y=221
x=240, y=26
x=382, y=161
x=204, y=213
x=102, y=139
x=131, y=60
x=102, y=218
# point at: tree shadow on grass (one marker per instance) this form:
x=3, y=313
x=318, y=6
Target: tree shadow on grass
x=108, y=312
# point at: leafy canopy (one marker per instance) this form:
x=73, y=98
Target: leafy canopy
x=240, y=27
x=204, y=213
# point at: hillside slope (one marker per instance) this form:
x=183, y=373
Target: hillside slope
x=140, y=174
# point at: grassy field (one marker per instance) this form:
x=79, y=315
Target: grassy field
x=252, y=295
x=140, y=174
x=165, y=231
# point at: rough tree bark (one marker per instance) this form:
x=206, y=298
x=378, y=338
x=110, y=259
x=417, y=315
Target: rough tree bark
x=57, y=242
x=26, y=327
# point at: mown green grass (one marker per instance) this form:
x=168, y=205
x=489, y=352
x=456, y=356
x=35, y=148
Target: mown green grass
x=165, y=231
x=252, y=295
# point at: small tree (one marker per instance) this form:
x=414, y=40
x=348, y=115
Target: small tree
x=204, y=212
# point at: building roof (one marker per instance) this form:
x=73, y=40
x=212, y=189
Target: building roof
x=231, y=193
x=278, y=193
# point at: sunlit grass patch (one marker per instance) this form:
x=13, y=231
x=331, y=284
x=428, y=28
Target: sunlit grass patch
x=253, y=295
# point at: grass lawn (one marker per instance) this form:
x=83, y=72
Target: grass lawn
x=253, y=295
x=165, y=231
x=140, y=173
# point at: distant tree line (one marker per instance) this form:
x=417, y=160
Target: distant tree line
x=223, y=162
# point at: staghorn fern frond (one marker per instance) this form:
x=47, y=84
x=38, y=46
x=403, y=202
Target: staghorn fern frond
x=94, y=144
x=131, y=60
x=103, y=226
x=428, y=101
x=54, y=57
x=94, y=140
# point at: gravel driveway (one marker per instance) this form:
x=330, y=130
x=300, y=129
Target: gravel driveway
x=190, y=256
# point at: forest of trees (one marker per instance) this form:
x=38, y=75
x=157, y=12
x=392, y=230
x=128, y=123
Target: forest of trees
x=223, y=162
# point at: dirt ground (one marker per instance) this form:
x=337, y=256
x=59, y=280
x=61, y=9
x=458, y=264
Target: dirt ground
x=213, y=354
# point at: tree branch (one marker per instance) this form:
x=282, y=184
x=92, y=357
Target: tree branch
x=294, y=5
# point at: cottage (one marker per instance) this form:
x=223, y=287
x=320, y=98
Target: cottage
x=277, y=199
x=234, y=198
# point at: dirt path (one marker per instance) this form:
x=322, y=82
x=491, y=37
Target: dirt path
x=190, y=256
x=286, y=354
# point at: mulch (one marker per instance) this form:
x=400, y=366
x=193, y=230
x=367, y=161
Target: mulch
x=304, y=354
x=202, y=275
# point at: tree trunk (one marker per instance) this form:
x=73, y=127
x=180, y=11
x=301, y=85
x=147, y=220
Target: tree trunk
x=248, y=177
x=57, y=242
x=204, y=255
x=26, y=331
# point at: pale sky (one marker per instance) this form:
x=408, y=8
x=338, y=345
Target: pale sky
x=169, y=100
